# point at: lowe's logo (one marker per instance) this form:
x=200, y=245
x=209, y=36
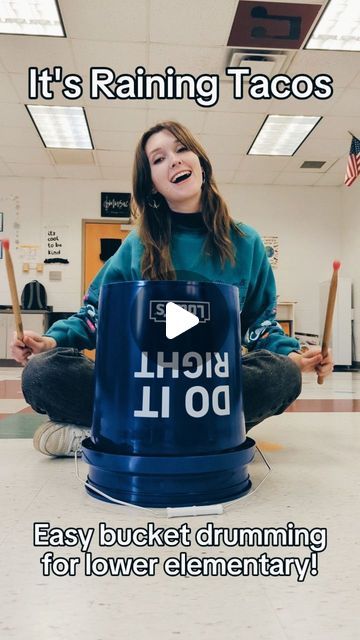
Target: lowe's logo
x=199, y=309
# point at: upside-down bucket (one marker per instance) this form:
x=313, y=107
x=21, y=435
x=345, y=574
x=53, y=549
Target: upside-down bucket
x=168, y=424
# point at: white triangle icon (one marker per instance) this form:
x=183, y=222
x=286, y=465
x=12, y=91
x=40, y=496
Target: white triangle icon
x=178, y=320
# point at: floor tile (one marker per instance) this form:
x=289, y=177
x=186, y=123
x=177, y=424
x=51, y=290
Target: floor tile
x=20, y=425
x=12, y=405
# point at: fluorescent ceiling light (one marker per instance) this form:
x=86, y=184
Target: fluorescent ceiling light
x=338, y=28
x=30, y=17
x=282, y=135
x=61, y=127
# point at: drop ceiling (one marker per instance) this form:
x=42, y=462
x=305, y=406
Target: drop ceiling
x=192, y=37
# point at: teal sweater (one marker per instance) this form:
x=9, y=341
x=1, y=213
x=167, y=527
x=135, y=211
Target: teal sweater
x=252, y=275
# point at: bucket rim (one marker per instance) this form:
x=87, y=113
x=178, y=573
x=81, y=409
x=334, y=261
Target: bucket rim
x=160, y=283
x=203, y=463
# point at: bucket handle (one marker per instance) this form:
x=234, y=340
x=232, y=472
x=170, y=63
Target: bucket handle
x=175, y=512
x=105, y=495
x=171, y=512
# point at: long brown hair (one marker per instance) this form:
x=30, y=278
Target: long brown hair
x=152, y=212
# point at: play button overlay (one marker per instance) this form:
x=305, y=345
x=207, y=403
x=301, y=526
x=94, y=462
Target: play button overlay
x=195, y=303
x=178, y=320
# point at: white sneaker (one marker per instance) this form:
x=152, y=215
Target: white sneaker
x=59, y=439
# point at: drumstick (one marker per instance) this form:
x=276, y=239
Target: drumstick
x=13, y=290
x=329, y=313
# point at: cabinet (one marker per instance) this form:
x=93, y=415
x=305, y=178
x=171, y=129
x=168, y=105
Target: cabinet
x=285, y=316
x=32, y=320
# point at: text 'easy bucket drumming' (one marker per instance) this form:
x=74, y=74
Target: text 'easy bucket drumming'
x=168, y=426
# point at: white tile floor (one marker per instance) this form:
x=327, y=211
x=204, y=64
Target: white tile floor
x=314, y=483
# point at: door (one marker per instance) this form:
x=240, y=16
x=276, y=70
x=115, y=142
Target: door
x=96, y=252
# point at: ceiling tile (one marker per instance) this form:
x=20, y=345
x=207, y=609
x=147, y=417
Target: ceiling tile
x=356, y=82
x=224, y=162
x=118, y=56
x=5, y=170
x=7, y=91
x=14, y=115
x=339, y=166
x=193, y=120
x=83, y=172
x=33, y=170
x=315, y=147
x=20, y=52
x=115, y=140
x=232, y=123
x=122, y=174
x=331, y=180
x=114, y=158
x=224, y=177
x=347, y=104
x=122, y=20
x=186, y=59
x=266, y=177
x=25, y=155
x=257, y=164
x=120, y=119
x=62, y=156
x=189, y=22
x=20, y=136
x=334, y=128
x=342, y=67
x=225, y=144
x=305, y=179
x=308, y=107
x=227, y=102
x=174, y=105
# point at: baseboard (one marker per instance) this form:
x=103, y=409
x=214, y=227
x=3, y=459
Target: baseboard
x=9, y=363
x=355, y=366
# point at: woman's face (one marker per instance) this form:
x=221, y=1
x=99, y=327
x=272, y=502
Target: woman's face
x=176, y=172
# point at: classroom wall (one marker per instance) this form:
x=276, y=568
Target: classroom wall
x=46, y=202
x=350, y=239
x=308, y=221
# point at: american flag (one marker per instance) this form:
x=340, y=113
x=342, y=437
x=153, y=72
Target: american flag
x=353, y=165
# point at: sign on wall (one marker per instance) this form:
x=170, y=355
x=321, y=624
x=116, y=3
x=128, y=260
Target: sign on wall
x=271, y=244
x=115, y=205
x=56, y=243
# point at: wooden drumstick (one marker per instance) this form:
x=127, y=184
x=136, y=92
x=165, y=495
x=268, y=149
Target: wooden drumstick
x=329, y=313
x=13, y=290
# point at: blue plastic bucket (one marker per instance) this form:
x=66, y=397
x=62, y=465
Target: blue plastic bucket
x=168, y=425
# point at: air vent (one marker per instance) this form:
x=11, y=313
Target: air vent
x=312, y=164
x=267, y=63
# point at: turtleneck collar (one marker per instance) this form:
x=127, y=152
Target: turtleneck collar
x=187, y=220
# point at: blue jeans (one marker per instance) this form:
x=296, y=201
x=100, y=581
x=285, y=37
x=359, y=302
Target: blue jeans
x=60, y=383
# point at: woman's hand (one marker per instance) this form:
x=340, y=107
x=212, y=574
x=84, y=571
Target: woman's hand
x=312, y=360
x=32, y=343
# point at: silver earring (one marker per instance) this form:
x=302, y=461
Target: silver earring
x=153, y=204
x=203, y=176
